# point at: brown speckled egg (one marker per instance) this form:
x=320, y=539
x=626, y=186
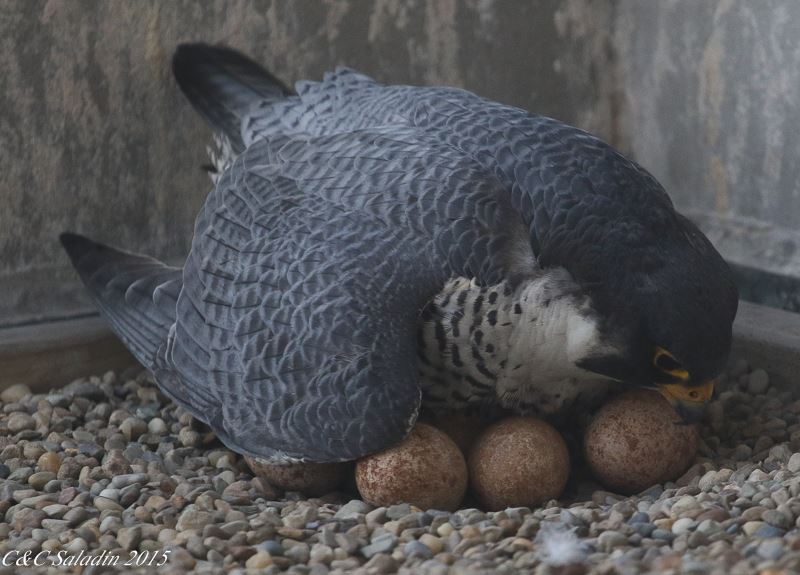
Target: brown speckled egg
x=312, y=479
x=426, y=469
x=519, y=461
x=638, y=440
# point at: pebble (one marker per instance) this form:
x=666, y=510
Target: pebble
x=300, y=517
x=777, y=519
x=431, y=542
x=14, y=393
x=189, y=437
x=272, y=547
x=662, y=534
x=19, y=422
x=608, y=540
x=127, y=479
x=260, y=560
x=379, y=564
x=708, y=527
x=156, y=426
x=25, y=518
x=380, y=544
x=49, y=461
x=771, y=549
x=683, y=525
x=321, y=554
x=376, y=517
x=398, y=511
x=416, y=548
x=106, y=504
x=299, y=553
x=40, y=479
x=193, y=518
x=108, y=480
x=683, y=505
x=767, y=530
x=355, y=509
x=129, y=537
x=56, y=510
x=445, y=529
x=751, y=527
x=132, y=428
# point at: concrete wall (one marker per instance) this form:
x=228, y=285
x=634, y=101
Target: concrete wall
x=96, y=138
x=712, y=107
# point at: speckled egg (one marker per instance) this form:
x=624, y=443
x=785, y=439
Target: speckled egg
x=638, y=440
x=519, y=461
x=312, y=479
x=426, y=469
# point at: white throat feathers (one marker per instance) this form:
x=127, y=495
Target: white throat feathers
x=515, y=347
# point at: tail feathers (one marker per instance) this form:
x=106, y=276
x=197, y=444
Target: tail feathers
x=136, y=294
x=223, y=85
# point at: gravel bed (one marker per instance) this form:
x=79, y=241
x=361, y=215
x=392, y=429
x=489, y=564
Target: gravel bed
x=109, y=464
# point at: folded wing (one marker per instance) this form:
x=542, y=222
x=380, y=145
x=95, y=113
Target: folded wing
x=311, y=262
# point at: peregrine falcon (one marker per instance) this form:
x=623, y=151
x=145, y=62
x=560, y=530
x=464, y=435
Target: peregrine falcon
x=368, y=250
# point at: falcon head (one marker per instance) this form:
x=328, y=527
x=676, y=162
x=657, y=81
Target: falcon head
x=664, y=307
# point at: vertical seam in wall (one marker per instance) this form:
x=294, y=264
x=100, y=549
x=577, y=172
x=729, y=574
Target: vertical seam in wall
x=617, y=98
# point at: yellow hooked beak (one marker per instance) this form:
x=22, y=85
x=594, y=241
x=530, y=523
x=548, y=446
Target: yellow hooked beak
x=687, y=400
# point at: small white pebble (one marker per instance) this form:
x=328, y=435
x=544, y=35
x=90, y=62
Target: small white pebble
x=156, y=426
x=444, y=530
x=683, y=525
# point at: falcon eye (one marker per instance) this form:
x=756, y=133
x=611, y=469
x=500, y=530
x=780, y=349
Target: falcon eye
x=667, y=363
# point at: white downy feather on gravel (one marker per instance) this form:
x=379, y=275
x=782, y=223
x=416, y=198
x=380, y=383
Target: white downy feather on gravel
x=558, y=545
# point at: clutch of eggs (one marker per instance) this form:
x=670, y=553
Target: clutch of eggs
x=634, y=441
x=518, y=461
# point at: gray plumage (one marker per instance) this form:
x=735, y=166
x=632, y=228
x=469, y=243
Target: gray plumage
x=343, y=210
